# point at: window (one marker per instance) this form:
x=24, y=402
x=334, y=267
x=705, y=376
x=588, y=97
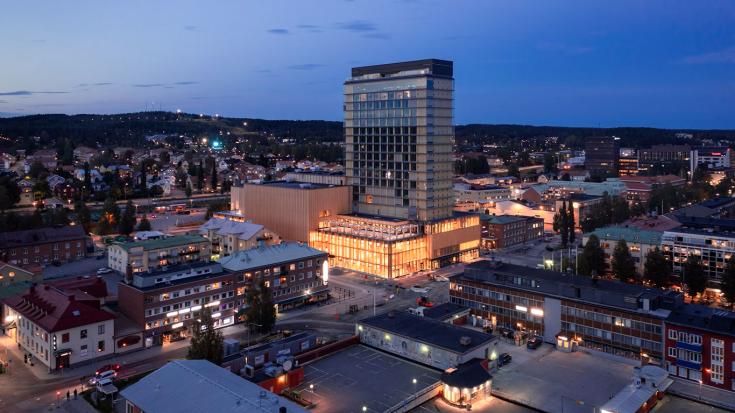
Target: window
x=672, y=334
x=65, y=338
x=101, y=329
x=672, y=351
x=695, y=339
x=101, y=345
x=83, y=334
x=301, y=265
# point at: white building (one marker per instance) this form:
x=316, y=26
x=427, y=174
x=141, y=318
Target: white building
x=710, y=158
x=228, y=236
x=424, y=340
x=60, y=328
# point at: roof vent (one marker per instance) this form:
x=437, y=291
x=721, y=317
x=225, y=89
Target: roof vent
x=465, y=340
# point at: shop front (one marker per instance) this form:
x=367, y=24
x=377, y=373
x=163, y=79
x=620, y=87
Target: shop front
x=467, y=384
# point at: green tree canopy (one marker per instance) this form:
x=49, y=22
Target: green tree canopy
x=261, y=310
x=694, y=276
x=728, y=281
x=206, y=342
x=623, y=265
x=657, y=269
x=592, y=259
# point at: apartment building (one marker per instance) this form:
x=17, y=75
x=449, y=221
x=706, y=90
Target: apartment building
x=165, y=303
x=571, y=311
x=465, y=192
x=157, y=254
x=59, y=328
x=295, y=273
x=501, y=231
x=229, y=236
x=700, y=345
x=640, y=242
x=43, y=245
x=713, y=247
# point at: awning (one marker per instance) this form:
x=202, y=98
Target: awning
x=62, y=352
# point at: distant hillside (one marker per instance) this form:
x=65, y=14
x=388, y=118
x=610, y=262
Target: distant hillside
x=129, y=129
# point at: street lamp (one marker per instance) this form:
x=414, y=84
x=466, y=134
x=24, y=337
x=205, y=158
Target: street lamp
x=364, y=408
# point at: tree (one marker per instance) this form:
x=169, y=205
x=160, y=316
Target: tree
x=514, y=171
x=127, y=222
x=143, y=180
x=9, y=193
x=564, y=219
x=549, y=165
x=188, y=190
x=84, y=216
x=694, y=276
x=144, y=225
x=66, y=154
x=592, y=260
x=214, y=177
x=557, y=223
x=200, y=177
x=728, y=281
x=206, y=342
x=656, y=269
x=87, y=183
x=110, y=217
x=261, y=310
x=570, y=223
x=623, y=266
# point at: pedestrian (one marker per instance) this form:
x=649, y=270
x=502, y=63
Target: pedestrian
x=75, y=394
x=68, y=396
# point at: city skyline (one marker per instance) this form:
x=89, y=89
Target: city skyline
x=659, y=64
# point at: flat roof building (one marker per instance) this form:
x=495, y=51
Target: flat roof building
x=157, y=254
x=610, y=316
x=425, y=340
x=193, y=386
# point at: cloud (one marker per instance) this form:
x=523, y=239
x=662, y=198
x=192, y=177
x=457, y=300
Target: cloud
x=29, y=93
x=357, y=26
x=564, y=48
x=278, y=31
x=94, y=84
x=720, y=56
x=3, y=101
x=191, y=28
x=186, y=82
x=312, y=28
x=307, y=66
x=148, y=85
x=263, y=71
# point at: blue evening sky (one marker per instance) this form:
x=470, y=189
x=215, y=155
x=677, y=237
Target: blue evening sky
x=542, y=62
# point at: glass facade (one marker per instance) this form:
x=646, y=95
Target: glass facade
x=398, y=132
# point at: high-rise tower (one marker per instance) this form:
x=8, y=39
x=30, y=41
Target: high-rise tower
x=398, y=130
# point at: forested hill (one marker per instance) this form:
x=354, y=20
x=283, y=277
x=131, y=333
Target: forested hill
x=129, y=129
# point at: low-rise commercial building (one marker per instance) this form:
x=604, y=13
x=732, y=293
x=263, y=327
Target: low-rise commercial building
x=43, y=245
x=229, y=236
x=700, y=345
x=501, y=231
x=201, y=386
x=59, y=328
x=710, y=157
x=568, y=310
x=639, y=188
x=640, y=242
x=424, y=340
x=465, y=192
x=157, y=254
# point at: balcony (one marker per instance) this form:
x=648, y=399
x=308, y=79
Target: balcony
x=689, y=364
x=691, y=347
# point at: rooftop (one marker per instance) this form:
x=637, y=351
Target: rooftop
x=443, y=311
x=268, y=255
x=200, y=386
x=704, y=318
x=435, y=67
x=154, y=244
x=14, y=239
x=503, y=219
x=427, y=330
x=606, y=293
x=55, y=310
x=629, y=234
x=296, y=185
x=243, y=230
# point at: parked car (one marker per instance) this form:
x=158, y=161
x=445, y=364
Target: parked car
x=506, y=332
x=504, y=359
x=534, y=342
x=419, y=289
x=107, y=367
x=103, y=270
x=107, y=374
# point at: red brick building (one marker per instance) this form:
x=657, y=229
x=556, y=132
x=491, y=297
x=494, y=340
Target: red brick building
x=700, y=345
x=43, y=245
x=500, y=231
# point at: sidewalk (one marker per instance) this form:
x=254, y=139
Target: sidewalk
x=705, y=394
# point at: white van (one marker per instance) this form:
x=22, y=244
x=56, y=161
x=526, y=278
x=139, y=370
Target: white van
x=108, y=374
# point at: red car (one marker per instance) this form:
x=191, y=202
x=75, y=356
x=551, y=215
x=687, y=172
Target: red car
x=115, y=367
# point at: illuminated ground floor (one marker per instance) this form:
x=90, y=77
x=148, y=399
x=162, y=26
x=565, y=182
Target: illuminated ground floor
x=396, y=248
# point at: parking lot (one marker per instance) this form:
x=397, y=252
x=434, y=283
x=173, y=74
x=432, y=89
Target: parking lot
x=554, y=381
x=360, y=376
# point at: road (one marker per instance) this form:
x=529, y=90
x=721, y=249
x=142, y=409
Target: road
x=197, y=198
